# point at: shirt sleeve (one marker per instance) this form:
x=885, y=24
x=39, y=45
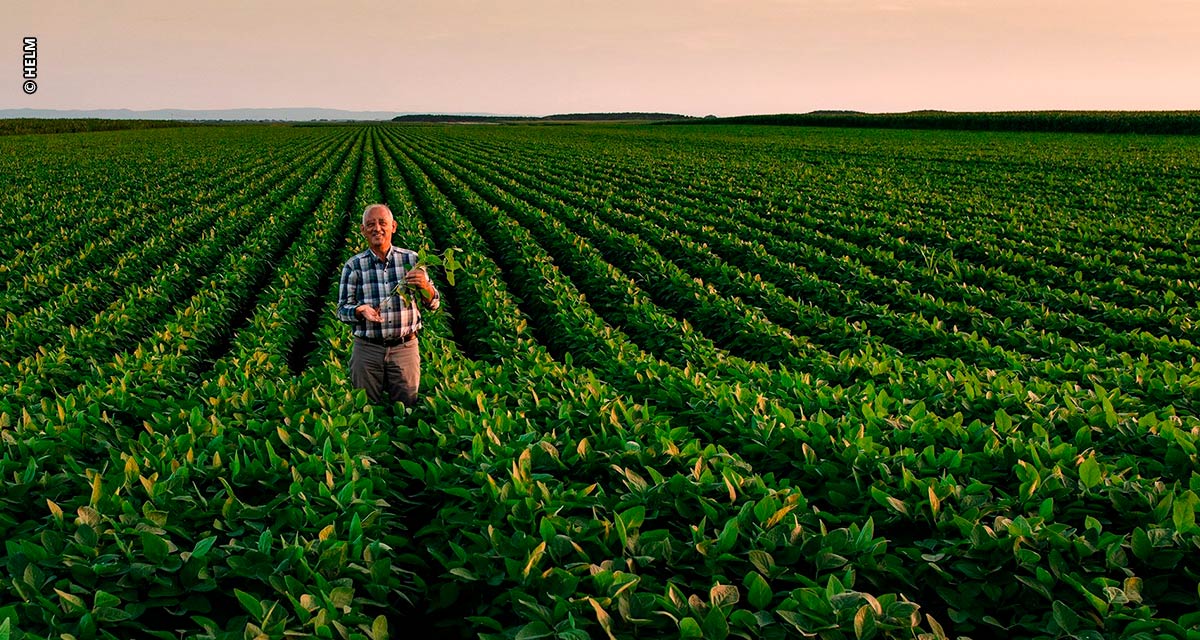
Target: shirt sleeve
x=436, y=301
x=348, y=295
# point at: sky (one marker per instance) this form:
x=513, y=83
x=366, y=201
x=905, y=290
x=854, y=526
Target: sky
x=537, y=57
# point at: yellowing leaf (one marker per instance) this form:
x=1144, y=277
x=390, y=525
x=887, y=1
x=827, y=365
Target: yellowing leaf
x=96, y=490
x=70, y=602
x=534, y=556
x=148, y=484
x=379, y=628
x=723, y=594
x=89, y=516
x=777, y=517
x=55, y=509
x=603, y=618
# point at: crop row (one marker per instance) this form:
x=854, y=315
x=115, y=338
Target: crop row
x=143, y=301
x=153, y=497
x=931, y=337
x=56, y=312
x=530, y=295
x=625, y=431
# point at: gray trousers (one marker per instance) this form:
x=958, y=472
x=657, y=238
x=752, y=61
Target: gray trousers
x=387, y=373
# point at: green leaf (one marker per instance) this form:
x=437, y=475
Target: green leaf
x=1184, y=512
x=728, y=535
x=866, y=534
x=484, y=621
x=745, y=619
x=689, y=628
x=1046, y=509
x=6, y=629
x=249, y=603
x=1064, y=617
x=633, y=517
x=827, y=560
x=111, y=614
x=1110, y=413
x=1003, y=421
x=716, y=627
x=154, y=547
x=546, y=530
x=1089, y=472
x=628, y=522
x=758, y=591
x=888, y=501
x=1142, y=547
x=202, y=548
x=535, y=630
x=413, y=469
x=103, y=598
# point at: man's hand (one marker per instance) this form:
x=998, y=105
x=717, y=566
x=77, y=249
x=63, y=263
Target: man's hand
x=368, y=313
x=418, y=278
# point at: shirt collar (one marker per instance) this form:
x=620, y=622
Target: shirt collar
x=387, y=256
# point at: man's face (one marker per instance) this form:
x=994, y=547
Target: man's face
x=378, y=229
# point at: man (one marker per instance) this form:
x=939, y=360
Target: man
x=385, y=360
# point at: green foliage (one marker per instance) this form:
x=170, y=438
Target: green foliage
x=25, y=126
x=426, y=259
x=699, y=384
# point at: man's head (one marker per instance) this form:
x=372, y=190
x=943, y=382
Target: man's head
x=378, y=225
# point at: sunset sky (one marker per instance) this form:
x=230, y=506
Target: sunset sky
x=536, y=57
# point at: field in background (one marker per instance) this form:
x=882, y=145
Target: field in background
x=698, y=382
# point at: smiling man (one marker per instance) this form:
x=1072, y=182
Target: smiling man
x=385, y=360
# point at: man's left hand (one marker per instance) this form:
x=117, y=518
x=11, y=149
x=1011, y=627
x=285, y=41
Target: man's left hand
x=419, y=278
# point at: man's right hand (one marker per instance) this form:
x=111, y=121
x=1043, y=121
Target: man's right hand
x=368, y=313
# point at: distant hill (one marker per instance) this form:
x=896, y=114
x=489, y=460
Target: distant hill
x=257, y=115
x=630, y=116
x=450, y=118
x=289, y=114
x=1152, y=122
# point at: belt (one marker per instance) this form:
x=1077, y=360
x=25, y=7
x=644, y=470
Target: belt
x=389, y=342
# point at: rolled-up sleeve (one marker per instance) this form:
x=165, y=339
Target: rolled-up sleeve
x=436, y=301
x=348, y=295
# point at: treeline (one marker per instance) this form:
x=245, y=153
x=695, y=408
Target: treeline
x=22, y=126
x=1176, y=122
x=558, y=117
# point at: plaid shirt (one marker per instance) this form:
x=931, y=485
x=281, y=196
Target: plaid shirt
x=368, y=280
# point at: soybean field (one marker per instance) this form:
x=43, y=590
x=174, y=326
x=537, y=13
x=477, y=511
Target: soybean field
x=711, y=381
